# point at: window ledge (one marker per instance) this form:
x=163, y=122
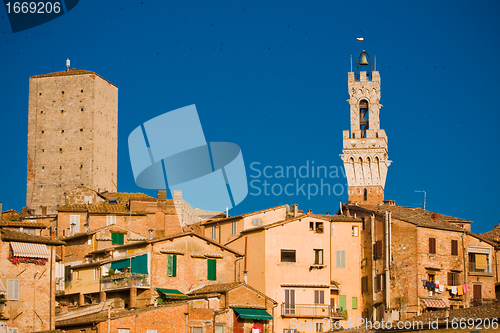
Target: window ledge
x=316, y=266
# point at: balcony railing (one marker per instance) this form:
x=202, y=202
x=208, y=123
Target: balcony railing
x=126, y=280
x=474, y=270
x=310, y=311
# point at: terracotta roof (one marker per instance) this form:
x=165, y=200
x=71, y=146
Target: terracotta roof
x=216, y=288
x=122, y=196
x=22, y=224
x=242, y=215
x=493, y=235
x=337, y=218
x=115, y=314
x=72, y=71
x=10, y=235
x=415, y=216
x=99, y=208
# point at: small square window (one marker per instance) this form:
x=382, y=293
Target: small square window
x=43, y=132
x=62, y=111
x=80, y=148
x=81, y=90
x=311, y=226
x=39, y=94
x=319, y=227
x=62, y=131
x=81, y=129
x=288, y=256
x=41, y=112
x=355, y=231
x=60, y=149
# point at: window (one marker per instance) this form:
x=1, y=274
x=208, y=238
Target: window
x=453, y=278
x=96, y=273
x=319, y=327
x=289, y=330
x=432, y=245
x=196, y=329
x=74, y=222
x=479, y=260
x=110, y=219
x=211, y=269
x=354, y=303
x=288, y=256
x=151, y=331
x=319, y=297
x=318, y=257
x=13, y=330
x=311, y=226
x=171, y=265
x=214, y=232
x=365, y=195
x=342, y=302
x=289, y=301
x=12, y=290
x=117, y=238
x=68, y=275
x=355, y=231
x=219, y=328
x=340, y=259
x=123, y=330
x=319, y=227
x=88, y=198
x=364, y=284
x=377, y=249
x=233, y=228
x=454, y=247
x=256, y=222
x=379, y=283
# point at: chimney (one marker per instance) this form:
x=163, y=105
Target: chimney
x=150, y=233
x=295, y=210
x=227, y=212
x=24, y=212
x=309, y=211
x=496, y=227
x=162, y=195
x=390, y=202
x=1, y=212
x=328, y=213
x=435, y=216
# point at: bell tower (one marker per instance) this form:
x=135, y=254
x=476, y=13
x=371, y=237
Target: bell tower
x=365, y=146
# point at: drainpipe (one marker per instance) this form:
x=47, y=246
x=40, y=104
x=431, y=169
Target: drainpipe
x=372, y=228
x=51, y=281
x=274, y=307
x=387, y=260
x=465, y=262
x=235, y=279
x=245, y=278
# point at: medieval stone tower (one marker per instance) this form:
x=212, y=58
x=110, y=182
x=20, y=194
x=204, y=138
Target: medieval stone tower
x=72, y=136
x=365, y=145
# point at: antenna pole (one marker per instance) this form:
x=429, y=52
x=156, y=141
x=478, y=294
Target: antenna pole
x=351, y=62
x=375, y=55
x=425, y=196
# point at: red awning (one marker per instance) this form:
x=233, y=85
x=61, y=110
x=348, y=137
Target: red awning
x=30, y=250
x=432, y=303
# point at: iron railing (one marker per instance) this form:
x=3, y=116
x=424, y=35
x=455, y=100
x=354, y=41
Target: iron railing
x=126, y=280
x=310, y=311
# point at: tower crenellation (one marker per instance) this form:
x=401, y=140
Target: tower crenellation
x=364, y=150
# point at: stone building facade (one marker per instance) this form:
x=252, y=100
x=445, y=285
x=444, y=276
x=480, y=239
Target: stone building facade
x=72, y=137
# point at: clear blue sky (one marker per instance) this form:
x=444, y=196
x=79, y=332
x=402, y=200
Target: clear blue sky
x=271, y=76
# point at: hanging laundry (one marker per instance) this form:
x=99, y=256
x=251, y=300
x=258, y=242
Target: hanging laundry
x=460, y=290
x=466, y=289
x=454, y=290
x=441, y=288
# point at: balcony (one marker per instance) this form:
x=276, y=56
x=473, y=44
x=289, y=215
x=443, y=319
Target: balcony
x=124, y=281
x=473, y=270
x=310, y=311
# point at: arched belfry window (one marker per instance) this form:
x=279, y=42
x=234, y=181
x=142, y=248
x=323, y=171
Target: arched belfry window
x=365, y=195
x=364, y=117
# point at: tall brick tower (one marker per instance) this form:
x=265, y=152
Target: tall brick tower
x=365, y=145
x=72, y=136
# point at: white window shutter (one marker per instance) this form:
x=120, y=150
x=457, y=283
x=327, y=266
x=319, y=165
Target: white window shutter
x=12, y=290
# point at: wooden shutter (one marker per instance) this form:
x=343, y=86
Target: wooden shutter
x=212, y=269
x=454, y=248
x=117, y=238
x=477, y=292
x=12, y=290
x=316, y=297
x=364, y=284
x=322, y=297
x=450, y=278
x=171, y=265
x=340, y=258
x=432, y=245
x=342, y=302
x=354, y=303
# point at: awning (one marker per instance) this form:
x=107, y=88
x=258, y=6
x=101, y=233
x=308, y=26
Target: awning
x=258, y=314
x=138, y=264
x=432, y=303
x=171, y=293
x=30, y=250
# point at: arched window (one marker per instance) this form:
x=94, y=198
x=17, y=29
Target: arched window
x=365, y=195
x=364, y=117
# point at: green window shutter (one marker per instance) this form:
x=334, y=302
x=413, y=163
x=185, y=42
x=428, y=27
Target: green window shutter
x=117, y=239
x=172, y=265
x=354, y=302
x=139, y=264
x=212, y=269
x=342, y=302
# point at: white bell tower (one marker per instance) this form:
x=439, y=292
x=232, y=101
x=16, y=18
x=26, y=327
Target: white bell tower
x=365, y=146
